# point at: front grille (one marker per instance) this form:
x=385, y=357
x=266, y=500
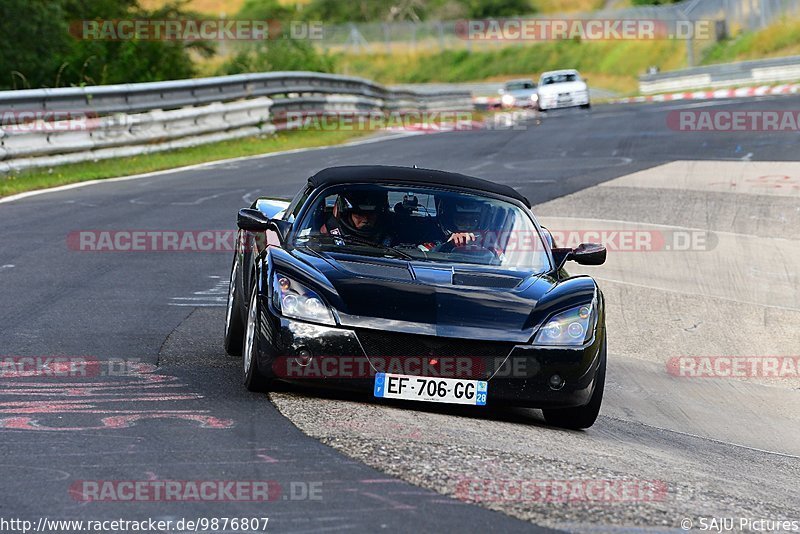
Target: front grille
x=413, y=354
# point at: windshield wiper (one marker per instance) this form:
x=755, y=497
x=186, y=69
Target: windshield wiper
x=362, y=241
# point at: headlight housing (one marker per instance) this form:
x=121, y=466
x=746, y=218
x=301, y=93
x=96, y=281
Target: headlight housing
x=293, y=299
x=570, y=328
x=535, y=97
x=508, y=100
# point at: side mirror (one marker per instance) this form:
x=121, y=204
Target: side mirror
x=252, y=220
x=501, y=91
x=584, y=254
x=589, y=254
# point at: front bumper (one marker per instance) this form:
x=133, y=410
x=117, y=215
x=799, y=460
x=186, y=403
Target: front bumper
x=335, y=357
x=573, y=100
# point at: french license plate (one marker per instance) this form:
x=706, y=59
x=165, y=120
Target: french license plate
x=423, y=388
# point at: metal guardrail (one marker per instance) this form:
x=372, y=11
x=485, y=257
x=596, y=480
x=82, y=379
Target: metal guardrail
x=784, y=69
x=141, y=118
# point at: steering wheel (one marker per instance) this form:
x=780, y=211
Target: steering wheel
x=469, y=248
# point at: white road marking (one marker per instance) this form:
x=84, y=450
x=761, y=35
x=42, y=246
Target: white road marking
x=692, y=294
x=217, y=295
x=247, y=197
x=203, y=199
x=206, y=165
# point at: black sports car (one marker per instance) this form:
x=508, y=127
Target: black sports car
x=417, y=284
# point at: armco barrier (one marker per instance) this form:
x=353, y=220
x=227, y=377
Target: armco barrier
x=141, y=118
x=784, y=69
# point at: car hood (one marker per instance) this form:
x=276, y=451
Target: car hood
x=522, y=93
x=556, y=88
x=428, y=298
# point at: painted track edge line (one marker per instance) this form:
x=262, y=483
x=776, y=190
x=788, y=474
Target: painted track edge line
x=204, y=165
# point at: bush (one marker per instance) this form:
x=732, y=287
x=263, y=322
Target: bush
x=37, y=49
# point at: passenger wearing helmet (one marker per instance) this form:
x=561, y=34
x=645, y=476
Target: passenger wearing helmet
x=362, y=214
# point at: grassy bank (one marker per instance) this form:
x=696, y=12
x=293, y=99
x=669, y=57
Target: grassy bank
x=781, y=39
x=81, y=172
x=613, y=65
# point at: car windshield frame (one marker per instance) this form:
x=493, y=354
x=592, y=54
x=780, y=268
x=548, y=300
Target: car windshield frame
x=520, y=86
x=302, y=221
x=561, y=78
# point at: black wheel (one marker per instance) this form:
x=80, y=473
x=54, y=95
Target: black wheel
x=586, y=106
x=254, y=377
x=234, y=326
x=581, y=416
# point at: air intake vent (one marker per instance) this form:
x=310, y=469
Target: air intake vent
x=377, y=270
x=453, y=358
x=485, y=280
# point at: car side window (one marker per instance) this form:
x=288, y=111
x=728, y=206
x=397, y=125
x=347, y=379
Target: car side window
x=296, y=204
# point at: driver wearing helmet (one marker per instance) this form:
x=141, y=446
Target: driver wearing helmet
x=361, y=214
x=458, y=218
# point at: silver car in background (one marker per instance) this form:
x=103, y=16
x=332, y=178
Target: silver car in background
x=519, y=94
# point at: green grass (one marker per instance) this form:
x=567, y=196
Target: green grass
x=622, y=61
x=612, y=65
x=81, y=172
x=780, y=39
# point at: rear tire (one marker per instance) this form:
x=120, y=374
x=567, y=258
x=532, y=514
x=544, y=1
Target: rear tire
x=586, y=106
x=254, y=380
x=234, y=326
x=581, y=416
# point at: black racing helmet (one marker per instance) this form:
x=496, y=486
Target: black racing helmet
x=458, y=213
x=373, y=203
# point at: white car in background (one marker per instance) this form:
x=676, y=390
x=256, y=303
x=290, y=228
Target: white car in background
x=563, y=89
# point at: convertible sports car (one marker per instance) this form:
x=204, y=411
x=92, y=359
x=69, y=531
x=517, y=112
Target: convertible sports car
x=421, y=285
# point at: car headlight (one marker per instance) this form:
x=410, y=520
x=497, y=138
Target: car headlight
x=507, y=100
x=295, y=300
x=534, y=97
x=570, y=328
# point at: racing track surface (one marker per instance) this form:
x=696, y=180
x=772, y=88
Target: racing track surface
x=721, y=447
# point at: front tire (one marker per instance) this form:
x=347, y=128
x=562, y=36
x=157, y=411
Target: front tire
x=254, y=380
x=581, y=416
x=234, y=326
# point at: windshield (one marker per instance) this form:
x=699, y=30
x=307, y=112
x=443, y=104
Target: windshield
x=560, y=78
x=423, y=224
x=520, y=86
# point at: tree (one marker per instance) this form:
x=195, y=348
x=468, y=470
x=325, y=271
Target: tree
x=33, y=42
x=41, y=45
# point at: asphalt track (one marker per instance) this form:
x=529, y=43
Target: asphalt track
x=722, y=447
